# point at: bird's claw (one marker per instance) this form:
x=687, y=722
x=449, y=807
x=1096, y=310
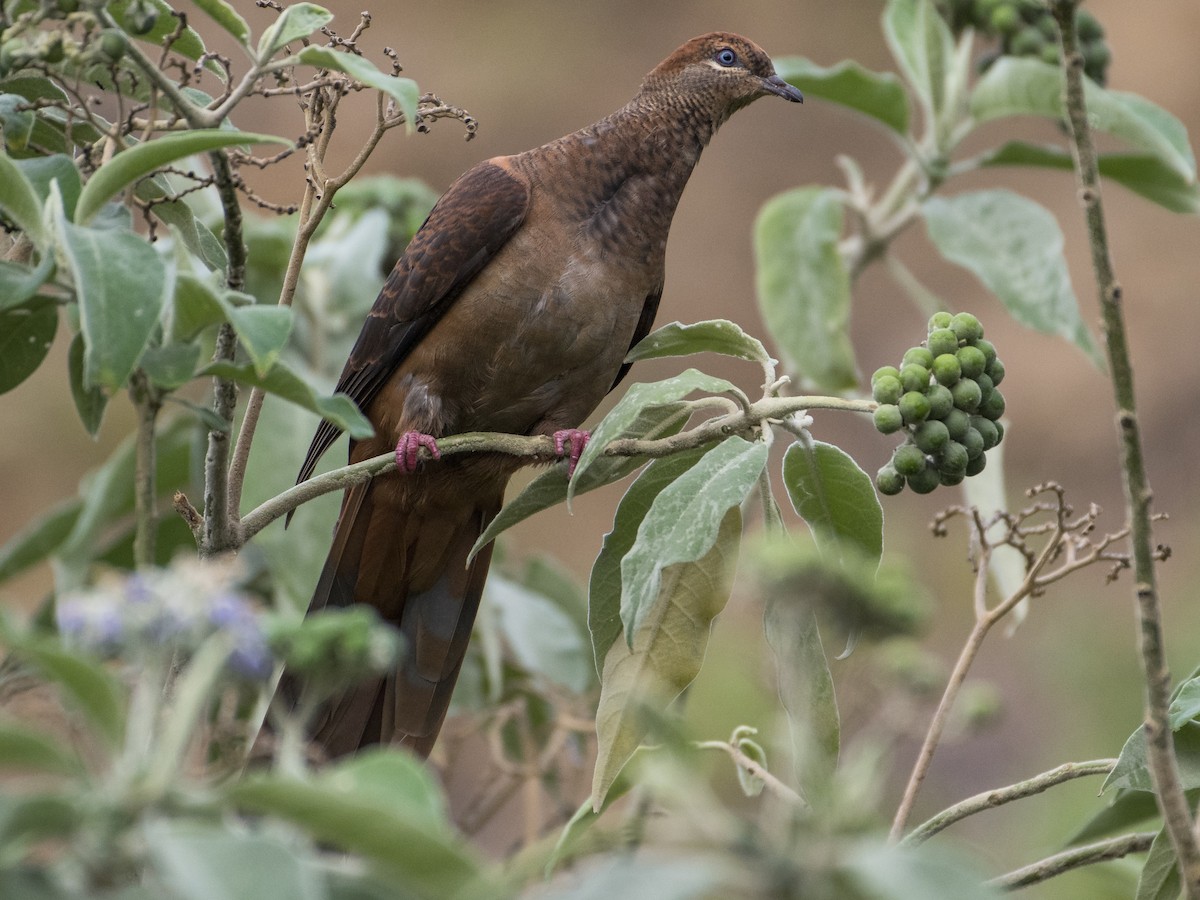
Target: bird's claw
x=408, y=450
x=577, y=439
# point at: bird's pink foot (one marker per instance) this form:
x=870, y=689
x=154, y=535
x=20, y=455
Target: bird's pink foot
x=577, y=439
x=408, y=450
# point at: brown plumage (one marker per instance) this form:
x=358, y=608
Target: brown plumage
x=511, y=310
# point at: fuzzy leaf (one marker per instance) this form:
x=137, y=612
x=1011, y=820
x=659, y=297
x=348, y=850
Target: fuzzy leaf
x=835, y=498
x=879, y=95
x=283, y=382
x=713, y=336
x=296, y=21
x=26, y=333
x=666, y=653
x=803, y=286
x=403, y=90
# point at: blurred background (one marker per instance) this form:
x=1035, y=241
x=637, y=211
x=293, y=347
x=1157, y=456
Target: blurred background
x=531, y=70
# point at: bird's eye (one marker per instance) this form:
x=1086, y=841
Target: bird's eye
x=726, y=57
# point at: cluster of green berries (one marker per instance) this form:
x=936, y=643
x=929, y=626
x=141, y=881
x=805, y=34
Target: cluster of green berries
x=1026, y=28
x=944, y=397
x=73, y=34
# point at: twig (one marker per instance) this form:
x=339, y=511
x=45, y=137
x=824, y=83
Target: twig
x=1101, y=851
x=742, y=761
x=542, y=449
x=1000, y=796
x=984, y=620
x=1163, y=765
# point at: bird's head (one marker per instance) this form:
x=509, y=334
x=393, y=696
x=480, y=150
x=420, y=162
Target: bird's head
x=721, y=70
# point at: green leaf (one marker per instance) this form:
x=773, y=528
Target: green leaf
x=403, y=90
x=1014, y=87
x=122, y=284
x=19, y=201
x=803, y=286
x=543, y=638
x=1015, y=247
x=604, y=587
x=684, y=522
x=1132, y=770
x=295, y=22
x=38, y=539
x=228, y=18
x=584, y=818
x=30, y=751
x=1160, y=875
x=90, y=402
x=262, y=329
x=712, y=336
x=87, y=684
x=370, y=815
x=632, y=407
x=57, y=169
x=922, y=44
x=694, y=876
x=805, y=690
x=879, y=95
x=1185, y=705
x=197, y=237
x=142, y=159
x=752, y=785
x=200, y=861
x=18, y=283
x=171, y=366
x=889, y=872
x=16, y=122
x=1127, y=810
x=835, y=498
x=666, y=652
x=283, y=382
x=1145, y=175
x=26, y=333
x=34, y=817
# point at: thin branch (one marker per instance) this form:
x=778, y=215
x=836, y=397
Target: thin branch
x=1163, y=765
x=541, y=449
x=1076, y=857
x=1000, y=796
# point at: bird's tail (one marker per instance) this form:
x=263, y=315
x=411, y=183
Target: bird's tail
x=411, y=565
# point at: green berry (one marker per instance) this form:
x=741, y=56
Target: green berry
x=1004, y=20
x=1087, y=26
x=1050, y=54
x=966, y=327
x=891, y=371
x=887, y=418
x=999, y=430
x=66, y=7
x=974, y=443
x=957, y=422
x=1027, y=42
x=941, y=401
x=914, y=408
x=1047, y=26
x=950, y=479
x=887, y=390
x=971, y=360
x=947, y=369
x=967, y=395
x=942, y=340
x=985, y=387
x=953, y=458
x=908, y=460
x=975, y=466
x=924, y=481
x=914, y=377
x=1096, y=58
x=987, y=430
x=988, y=348
x=940, y=319
x=140, y=17
x=889, y=481
x=931, y=436
x=918, y=355
x=995, y=371
x=993, y=407
x=112, y=44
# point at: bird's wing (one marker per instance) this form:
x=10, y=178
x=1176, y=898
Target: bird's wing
x=470, y=223
x=645, y=323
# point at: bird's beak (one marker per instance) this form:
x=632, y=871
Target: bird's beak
x=779, y=87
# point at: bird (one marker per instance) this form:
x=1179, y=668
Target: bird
x=512, y=309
